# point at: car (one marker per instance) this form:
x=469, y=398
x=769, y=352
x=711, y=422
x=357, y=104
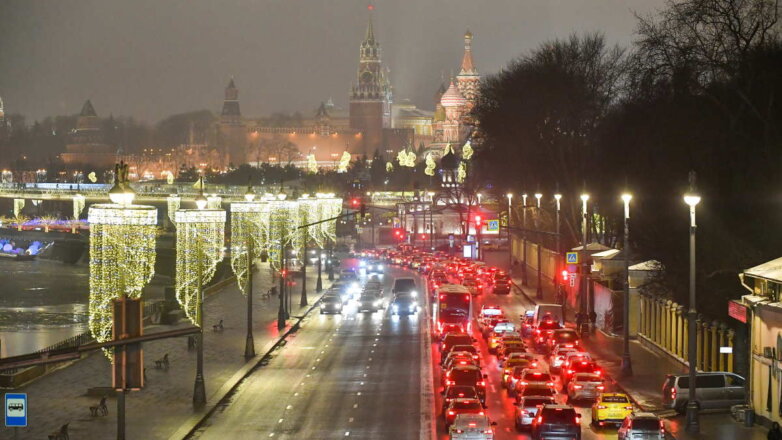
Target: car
x=575, y=367
x=404, y=305
x=611, y=408
x=471, y=427
x=584, y=386
x=527, y=328
x=543, y=330
x=556, y=422
x=533, y=378
x=495, y=339
x=507, y=370
x=456, y=392
x=476, y=355
x=469, y=375
x=641, y=425
x=369, y=302
x=462, y=406
x=562, y=336
x=454, y=338
x=509, y=347
x=514, y=376
x=331, y=303
x=404, y=286
x=374, y=266
x=474, y=286
x=558, y=356
x=718, y=389
x=526, y=409
x=537, y=390
x=505, y=338
x=348, y=275
x=460, y=358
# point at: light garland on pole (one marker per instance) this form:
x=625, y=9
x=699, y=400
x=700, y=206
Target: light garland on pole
x=245, y=226
x=122, y=259
x=173, y=202
x=199, y=247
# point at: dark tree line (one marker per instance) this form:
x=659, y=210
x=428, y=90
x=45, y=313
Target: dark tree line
x=699, y=90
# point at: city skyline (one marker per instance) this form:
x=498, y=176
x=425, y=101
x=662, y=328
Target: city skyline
x=160, y=70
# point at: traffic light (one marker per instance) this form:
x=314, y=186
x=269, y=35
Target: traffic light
x=355, y=202
x=565, y=275
x=478, y=220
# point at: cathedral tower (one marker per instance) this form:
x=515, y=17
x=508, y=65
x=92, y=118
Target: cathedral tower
x=468, y=78
x=370, y=96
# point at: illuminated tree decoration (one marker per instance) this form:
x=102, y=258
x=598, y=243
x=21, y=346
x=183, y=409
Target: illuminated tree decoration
x=312, y=164
x=332, y=207
x=467, y=151
x=431, y=165
x=462, y=172
x=122, y=259
x=214, y=202
x=309, y=213
x=245, y=226
x=199, y=247
x=78, y=205
x=18, y=206
x=278, y=229
x=344, y=161
x=173, y=202
x=389, y=167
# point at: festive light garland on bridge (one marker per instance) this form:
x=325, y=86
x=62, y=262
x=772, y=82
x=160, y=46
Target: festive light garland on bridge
x=245, y=226
x=200, y=239
x=122, y=259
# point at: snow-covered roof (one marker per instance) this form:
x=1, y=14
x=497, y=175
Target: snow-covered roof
x=770, y=270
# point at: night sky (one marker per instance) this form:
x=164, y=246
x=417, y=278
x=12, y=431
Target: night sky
x=152, y=58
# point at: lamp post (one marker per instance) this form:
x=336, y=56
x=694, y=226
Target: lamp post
x=693, y=424
x=478, y=225
x=319, y=283
x=627, y=366
x=539, y=290
x=479, y=198
x=283, y=274
x=557, y=199
x=510, y=248
x=582, y=301
x=524, y=239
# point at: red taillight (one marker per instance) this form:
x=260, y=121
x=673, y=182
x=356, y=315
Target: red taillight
x=487, y=431
x=551, y=384
x=673, y=393
x=662, y=427
x=475, y=356
x=461, y=394
x=577, y=387
x=578, y=419
x=450, y=413
x=601, y=387
x=524, y=384
x=631, y=408
x=482, y=384
x=540, y=420
x=569, y=371
x=480, y=413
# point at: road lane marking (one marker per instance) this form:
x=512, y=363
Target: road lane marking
x=350, y=420
x=288, y=407
x=347, y=433
x=355, y=405
x=279, y=421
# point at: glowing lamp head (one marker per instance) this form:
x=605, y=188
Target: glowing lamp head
x=557, y=197
x=509, y=196
x=121, y=196
x=692, y=200
x=249, y=195
x=627, y=197
x=584, y=197
x=538, y=195
x=201, y=201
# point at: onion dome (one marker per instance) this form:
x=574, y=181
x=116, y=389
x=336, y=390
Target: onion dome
x=452, y=97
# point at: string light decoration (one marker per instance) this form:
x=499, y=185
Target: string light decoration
x=122, y=259
x=431, y=165
x=78, y=206
x=245, y=226
x=279, y=218
x=312, y=164
x=332, y=207
x=462, y=172
x=18, y=206
x=389, y=167
x=467, y=151
x=214, y=202
x=199, y=247
x=344, y=161
x=173, y=202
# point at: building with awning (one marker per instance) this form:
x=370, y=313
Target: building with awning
x=761, y=310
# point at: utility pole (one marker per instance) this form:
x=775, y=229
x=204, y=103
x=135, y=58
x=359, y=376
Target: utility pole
x=539, y=290
x=524, y=240
x=582, y=298
x=627, y=366
x=693, y=424
x=557, y=266
x=199, y=388
x=303, y=299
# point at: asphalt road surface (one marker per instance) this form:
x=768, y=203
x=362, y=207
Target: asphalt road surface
x=341, y=376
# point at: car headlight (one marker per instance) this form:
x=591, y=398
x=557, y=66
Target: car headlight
x=362, y=263
x=377, y=303
x=379, y=267
x=396, y=308
x=413, y=293
x=412, y=306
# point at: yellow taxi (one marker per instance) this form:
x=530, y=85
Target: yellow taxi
x=611, y=408
x=498, y=338
x=508, y=365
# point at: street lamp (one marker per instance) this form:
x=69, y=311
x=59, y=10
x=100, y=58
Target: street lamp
x=582, y=307
x=524, y=239
x=539, y=289
x=245, y=218
x=479, y=198
x=693, y=424
x=510, y=248
x=557, y=199
x=627, y=366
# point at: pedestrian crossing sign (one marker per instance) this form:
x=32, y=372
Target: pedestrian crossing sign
x=572, y=258
x=492, y=226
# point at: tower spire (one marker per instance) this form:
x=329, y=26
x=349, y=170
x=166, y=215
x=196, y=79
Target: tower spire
x=370, y=36
x=468, y=67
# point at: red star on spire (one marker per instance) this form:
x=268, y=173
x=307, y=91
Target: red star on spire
x=371, y=7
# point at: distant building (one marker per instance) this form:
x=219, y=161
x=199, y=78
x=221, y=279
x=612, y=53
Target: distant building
x=87, y=147
x=231, y=129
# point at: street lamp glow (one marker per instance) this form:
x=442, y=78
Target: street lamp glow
x=479, y=195
x=249, y=195
x=584, y=197
x=626, y=197
x=201, y=201
x=557, y=198
x=692, y=200
x=524, y=199
x=538, y=196
x=509, y=196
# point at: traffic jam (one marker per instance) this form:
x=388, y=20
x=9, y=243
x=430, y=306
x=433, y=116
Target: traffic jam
x=501, y=374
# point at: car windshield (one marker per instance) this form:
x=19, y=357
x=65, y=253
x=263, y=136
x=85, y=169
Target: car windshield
x=404, y=285
x=559, y=415
x=646, y=424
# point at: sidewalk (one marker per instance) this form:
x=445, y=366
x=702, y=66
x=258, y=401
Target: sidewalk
x=649, y=370
x=165, y=403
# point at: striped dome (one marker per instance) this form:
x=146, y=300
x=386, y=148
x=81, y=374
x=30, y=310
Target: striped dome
x=452, y=97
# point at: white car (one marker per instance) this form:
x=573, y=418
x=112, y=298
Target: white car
x=646, y=426
x=471, y=427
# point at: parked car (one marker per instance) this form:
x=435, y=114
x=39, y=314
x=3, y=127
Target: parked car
x=714, y=390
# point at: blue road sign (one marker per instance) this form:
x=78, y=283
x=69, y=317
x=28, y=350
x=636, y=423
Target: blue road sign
x=16, y=410
x=572, y=258
x=492, y=225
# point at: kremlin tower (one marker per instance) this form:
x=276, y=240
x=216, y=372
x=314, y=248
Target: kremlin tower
x=87, y=146
x=370, y=96
x=231, y=131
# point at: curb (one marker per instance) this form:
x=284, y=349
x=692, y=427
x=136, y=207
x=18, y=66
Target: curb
x=224, y=392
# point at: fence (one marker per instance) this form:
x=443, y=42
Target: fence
x=663, y=323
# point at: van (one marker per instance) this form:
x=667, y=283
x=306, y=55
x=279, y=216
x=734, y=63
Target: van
x=544, y=310
x=404, y=286
x=713, y=390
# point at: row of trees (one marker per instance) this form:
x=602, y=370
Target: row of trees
x=699, y=90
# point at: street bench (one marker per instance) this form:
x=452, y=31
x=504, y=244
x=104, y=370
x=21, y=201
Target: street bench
x=61, y=434
x=218, y=327
x=162, y=363
x=100, y=409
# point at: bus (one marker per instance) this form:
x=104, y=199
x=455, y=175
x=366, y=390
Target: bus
x=452, y=310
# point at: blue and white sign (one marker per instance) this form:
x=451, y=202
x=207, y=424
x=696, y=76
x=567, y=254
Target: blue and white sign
x=492, y=226
x=16, y=410
x=572, y=257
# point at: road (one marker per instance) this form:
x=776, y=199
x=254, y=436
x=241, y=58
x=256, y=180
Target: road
x=340, y=376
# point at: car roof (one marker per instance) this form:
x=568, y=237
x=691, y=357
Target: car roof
x=644, y=415
x=465, y=367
